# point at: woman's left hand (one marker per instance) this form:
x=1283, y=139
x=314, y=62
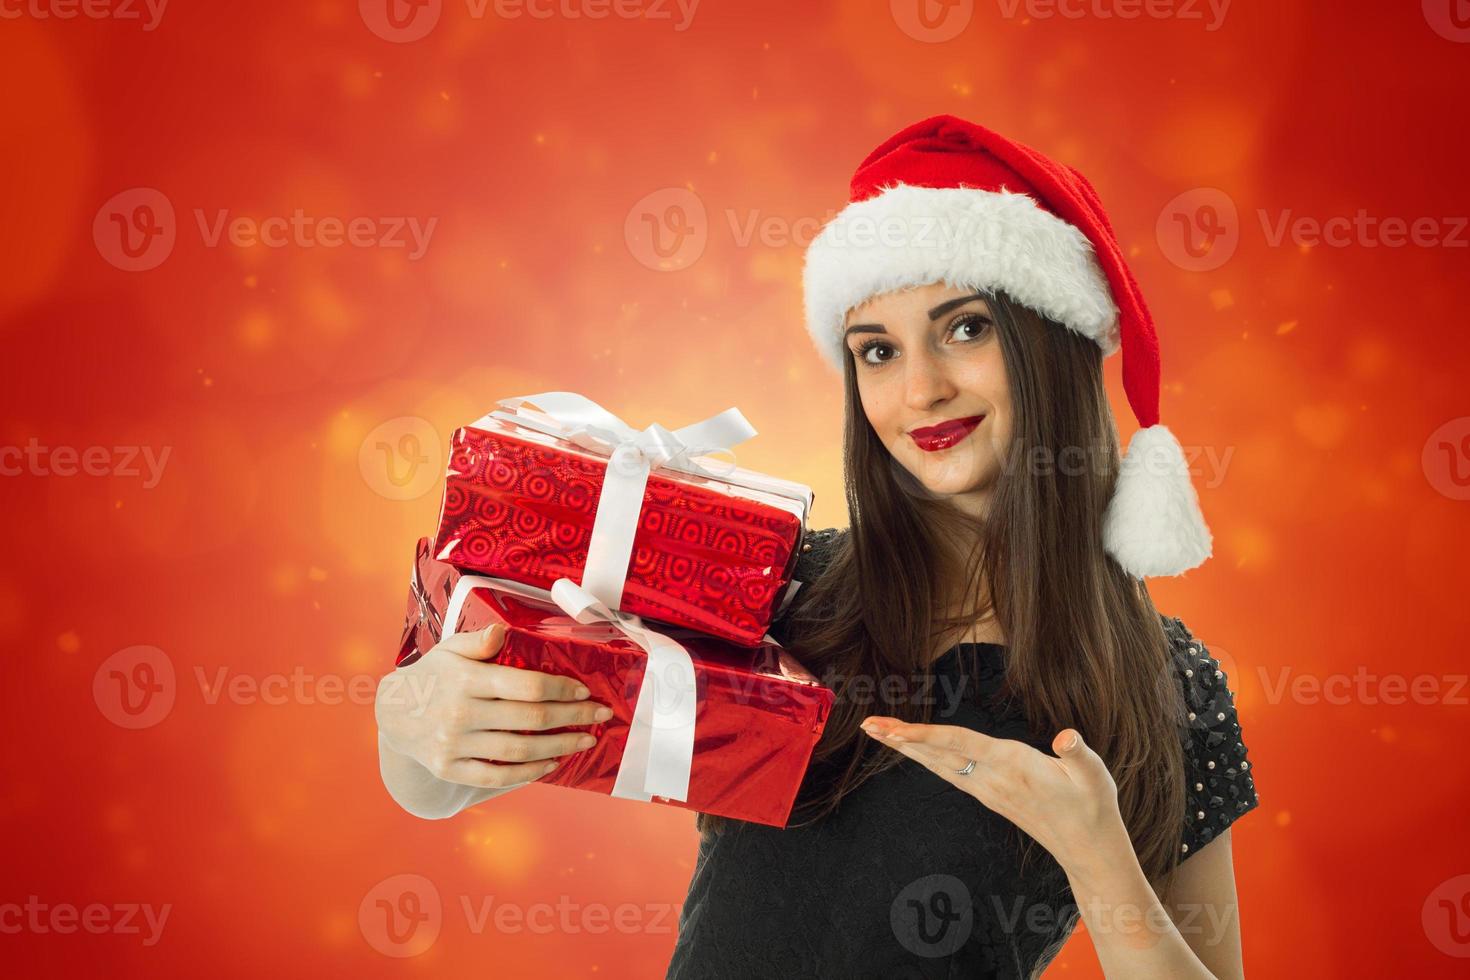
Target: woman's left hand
x=1069, y=804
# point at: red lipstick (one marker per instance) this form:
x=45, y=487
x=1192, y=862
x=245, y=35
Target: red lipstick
x=935, y=438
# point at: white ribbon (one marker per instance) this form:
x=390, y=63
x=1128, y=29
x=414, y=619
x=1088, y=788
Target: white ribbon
x=660, y=749
x=631, y=456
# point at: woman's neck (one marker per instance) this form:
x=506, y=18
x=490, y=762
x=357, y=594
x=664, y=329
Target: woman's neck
x=973, y=603
x=986, y=630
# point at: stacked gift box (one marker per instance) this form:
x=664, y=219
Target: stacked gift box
x=647, y=566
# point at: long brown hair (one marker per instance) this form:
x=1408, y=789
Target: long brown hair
x=1084, y=645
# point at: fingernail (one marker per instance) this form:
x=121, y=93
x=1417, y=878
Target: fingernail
x=602, y=714
x=549, y=767
x=895, y=738
x=586, y=741
x=582, y=692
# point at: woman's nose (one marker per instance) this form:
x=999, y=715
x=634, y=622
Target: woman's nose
x=926, y=383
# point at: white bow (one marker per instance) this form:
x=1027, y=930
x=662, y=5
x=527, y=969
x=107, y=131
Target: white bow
x=632, y=455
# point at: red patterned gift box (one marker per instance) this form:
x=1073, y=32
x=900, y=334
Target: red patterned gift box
x=757, y=713
x=712, y=550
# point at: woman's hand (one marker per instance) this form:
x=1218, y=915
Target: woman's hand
x=1069, y=804
x=456, y=715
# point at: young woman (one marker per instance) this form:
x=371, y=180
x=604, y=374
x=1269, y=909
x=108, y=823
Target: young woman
x=1019, y=739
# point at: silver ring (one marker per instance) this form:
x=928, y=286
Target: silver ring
x=969, y=768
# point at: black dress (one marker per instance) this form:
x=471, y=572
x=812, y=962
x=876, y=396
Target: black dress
x=913, y=878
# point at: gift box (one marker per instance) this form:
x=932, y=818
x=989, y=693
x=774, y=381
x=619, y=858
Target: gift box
x=734, y=741
x=552, y=486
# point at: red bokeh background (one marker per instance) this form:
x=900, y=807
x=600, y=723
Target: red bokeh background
x=1322, y=381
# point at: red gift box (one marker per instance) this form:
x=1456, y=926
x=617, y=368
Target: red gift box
x=758, y=712
x=711, y=553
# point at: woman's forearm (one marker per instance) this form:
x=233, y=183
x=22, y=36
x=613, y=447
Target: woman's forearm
x=1130, y=929
x=423, y=794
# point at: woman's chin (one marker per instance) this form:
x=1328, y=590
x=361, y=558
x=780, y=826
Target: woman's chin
x=954, y=488
x=947, y=474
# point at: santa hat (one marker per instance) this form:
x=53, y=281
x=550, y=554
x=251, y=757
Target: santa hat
x=945, y=200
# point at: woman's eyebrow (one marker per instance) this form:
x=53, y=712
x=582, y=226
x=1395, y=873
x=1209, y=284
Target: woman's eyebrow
x=934, y=314
x=948, y=305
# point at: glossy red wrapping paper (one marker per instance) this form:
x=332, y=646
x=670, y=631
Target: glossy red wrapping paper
x=521, y=506
x=759, y=712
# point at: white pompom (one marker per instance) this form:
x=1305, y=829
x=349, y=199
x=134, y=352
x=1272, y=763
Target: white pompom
x=1153, y=525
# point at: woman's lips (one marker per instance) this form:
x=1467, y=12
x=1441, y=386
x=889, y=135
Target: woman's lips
x=940, y=437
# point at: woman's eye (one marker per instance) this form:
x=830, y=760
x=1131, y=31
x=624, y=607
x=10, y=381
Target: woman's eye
x=976, y=324
x=865, y=352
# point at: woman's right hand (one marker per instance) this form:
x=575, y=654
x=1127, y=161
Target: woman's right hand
x=456, y=714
